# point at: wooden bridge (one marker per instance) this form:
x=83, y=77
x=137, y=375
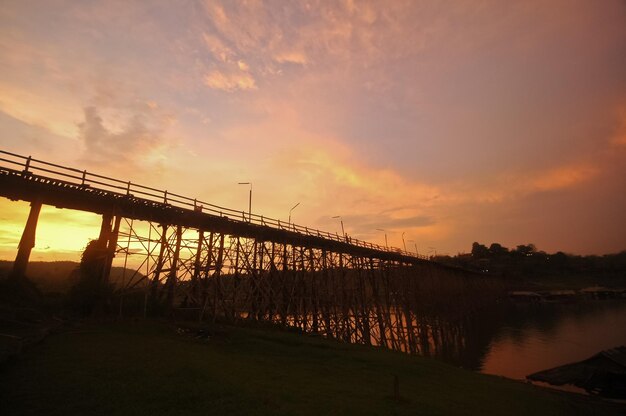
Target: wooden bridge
x=190, y=256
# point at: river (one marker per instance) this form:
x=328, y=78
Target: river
x=516, y=340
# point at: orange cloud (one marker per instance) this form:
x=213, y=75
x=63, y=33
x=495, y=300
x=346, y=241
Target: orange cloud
x=515, y=186
x=564, y=177
x=217, y=48
x=292, y=57
x=619, y=138
x=125, y=140
x=52, y=111
x=230, y=82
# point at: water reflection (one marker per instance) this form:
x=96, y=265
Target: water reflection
x=535, y=337
x=507, y=339
x=424, y=309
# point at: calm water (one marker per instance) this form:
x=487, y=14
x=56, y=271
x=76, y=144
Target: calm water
x=516, y=340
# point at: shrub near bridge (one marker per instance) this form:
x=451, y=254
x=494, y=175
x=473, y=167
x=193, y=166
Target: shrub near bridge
x=91, y=294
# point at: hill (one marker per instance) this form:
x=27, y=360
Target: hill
x=55, y=276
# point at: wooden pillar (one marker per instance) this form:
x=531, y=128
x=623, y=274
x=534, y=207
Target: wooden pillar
x=159, y=266
x=254, y=284
x=205, y=278
x=111, y=247
x=395, y=331
x=283, y=288
x=171, y=278
x=217, y=277
x=376, y=300
x=196, y=269
x=406, y=290
x=345, y=301
x=105, y=230
x=259, y=282
x=236, y=280
x=364, y=304
x=328, y=295
x=27, y=242
x=314, y=293
x=302, y=292
x=270, y=283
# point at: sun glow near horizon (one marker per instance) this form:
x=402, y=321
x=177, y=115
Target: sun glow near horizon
x=62, y=234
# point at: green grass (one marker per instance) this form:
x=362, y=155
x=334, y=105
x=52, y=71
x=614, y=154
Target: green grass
x=146, y=368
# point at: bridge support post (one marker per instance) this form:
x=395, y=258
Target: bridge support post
x=205, y=278
x=111, y=246
x=105, y=231
x=217, y=277
x=254, y=290
x=377, y=301
x=196, y=270
x=284, y=296
x=345, y=301
x=171, y=278
x=313, y=293
x=27, y=242
x=236, y=282
x=259, y=282
x=328, y=298
x=154, y=289
x=366, y=335
x=271, y=282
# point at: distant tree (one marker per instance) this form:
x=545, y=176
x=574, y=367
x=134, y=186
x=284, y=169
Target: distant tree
x=559, y=258
x=496, y=250
x=616, y=262
x=526, y=260
x=525, y=250
x=559, y=262
x=479, y=251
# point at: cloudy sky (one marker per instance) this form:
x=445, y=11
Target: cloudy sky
x=452, y=122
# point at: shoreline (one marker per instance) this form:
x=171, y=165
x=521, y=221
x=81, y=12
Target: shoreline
x=562, y=295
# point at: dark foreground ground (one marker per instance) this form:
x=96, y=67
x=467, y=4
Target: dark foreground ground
x=150, y=368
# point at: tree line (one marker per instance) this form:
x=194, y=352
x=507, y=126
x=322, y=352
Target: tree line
x=527, y=260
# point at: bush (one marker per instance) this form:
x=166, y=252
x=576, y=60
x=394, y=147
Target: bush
x=91, y=295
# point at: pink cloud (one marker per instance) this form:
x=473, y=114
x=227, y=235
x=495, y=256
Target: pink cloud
x=239, y=81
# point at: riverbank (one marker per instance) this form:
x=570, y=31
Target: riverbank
x=555, y=282
x=565, y=295
x=156, y=368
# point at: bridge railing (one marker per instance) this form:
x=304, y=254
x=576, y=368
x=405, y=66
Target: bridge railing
x=26, y=165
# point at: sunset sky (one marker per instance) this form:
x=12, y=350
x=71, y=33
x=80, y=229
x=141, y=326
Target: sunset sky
x=453, y=122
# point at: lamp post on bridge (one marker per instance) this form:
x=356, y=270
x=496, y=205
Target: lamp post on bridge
x=292, y=208
x=249, y=200
x=343, y=232
x=403, y=243
x=416, y=252
x=384, y=231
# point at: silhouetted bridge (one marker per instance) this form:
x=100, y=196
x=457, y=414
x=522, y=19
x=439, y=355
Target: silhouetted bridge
x=189, y=256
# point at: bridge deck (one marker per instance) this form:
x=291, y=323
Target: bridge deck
x=27, y=179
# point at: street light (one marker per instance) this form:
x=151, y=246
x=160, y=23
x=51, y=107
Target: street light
x=249, y=200
x=416, y=252
x=384, y=231
x=341, y=221
x=403, y=243
x=292, y=208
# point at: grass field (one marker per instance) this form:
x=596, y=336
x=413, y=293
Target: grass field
x=148, y=368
